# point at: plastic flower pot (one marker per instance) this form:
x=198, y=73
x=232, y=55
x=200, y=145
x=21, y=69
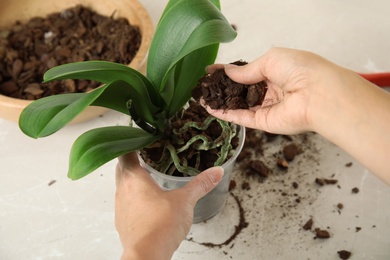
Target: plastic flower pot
x=213, y=202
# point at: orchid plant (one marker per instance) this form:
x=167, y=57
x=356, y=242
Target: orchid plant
x=186, y=40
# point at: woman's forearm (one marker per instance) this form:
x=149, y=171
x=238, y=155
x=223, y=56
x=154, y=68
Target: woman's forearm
x=359, y=122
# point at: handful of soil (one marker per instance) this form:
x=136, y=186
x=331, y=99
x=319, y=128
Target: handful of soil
x=220, y=92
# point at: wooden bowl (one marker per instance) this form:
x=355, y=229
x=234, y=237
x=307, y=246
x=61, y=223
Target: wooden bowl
x=23, y=10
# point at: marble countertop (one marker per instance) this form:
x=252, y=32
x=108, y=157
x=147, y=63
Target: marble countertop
x=44, y=215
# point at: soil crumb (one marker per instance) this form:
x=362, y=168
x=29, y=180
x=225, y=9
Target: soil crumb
x=308, y=225
x=344, y=254
x=323, y=181
x=321, y=234
x=355, y=190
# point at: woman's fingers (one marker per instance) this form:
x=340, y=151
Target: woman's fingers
x=203, y=183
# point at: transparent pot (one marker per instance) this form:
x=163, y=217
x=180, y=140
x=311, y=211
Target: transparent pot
x=213, y=202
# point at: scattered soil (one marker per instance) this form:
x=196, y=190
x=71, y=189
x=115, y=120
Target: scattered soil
x=257, y=167
x=245, y=186
x=51, y=182
x=220, y=92
x=296, y=191
x=290, y=151
x=282, y=163
x=323, y=181
x=344, y=254
x=322, y=234
x=355, y=190
x=249, y=164
x=242, y=224
x=339, y=206
x=257, y=147
x=358, y=229
x=28, y=50
x=319, y=233
x=308, y=225
x=232, y=185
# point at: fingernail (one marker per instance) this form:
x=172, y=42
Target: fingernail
x=216, y=174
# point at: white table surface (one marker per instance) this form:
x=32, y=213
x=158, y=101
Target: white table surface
x=74, y=220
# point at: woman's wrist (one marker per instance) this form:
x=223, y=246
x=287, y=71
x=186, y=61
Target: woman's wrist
x=148, y=247
x=129, y=254
x=333, y=101
x=354, y=115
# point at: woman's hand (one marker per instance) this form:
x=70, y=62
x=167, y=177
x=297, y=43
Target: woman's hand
x=308, y=93
x=151, y=222
x=295, y=79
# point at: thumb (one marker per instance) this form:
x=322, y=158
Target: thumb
x=203, y=183
x=247, y=74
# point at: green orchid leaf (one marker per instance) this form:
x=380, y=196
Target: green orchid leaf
x=175, y=28
x=105, y=72
x=173, y=2
x=35, y=117
x=99, y=146
x=45, y=116
x=187, y=79
x=216, y=3
x=201, y=49
x=116, y=96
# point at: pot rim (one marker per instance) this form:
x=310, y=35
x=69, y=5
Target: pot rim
x=231, y=160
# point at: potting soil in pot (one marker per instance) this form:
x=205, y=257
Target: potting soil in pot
x=28, y=50
x=199, y=159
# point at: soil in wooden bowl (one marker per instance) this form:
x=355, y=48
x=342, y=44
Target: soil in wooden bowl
x=28, y=50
